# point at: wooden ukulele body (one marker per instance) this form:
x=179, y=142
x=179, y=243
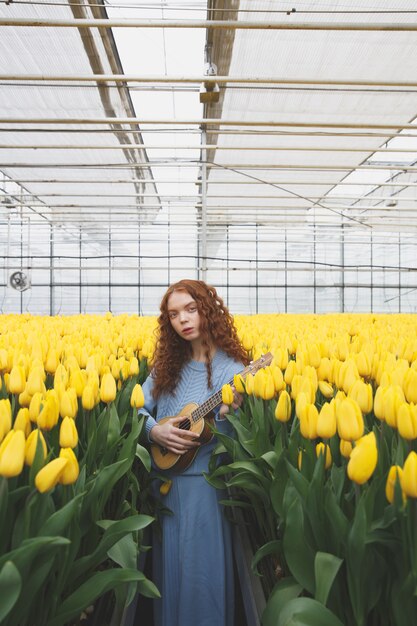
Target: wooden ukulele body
x=165, y=459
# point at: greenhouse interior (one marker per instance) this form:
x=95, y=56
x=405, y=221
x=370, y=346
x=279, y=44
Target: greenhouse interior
x=208, y=233
x=290, y=185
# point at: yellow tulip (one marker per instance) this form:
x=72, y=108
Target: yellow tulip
x=393, y=398
x=409, y=476
x=227, y=395
x=259, y=381
x=133, y=366
x=349, y=418
x=326, y=422
x=68, y=435
x=249, y=384
x=379, y=403
x=290, y=372
x=301, y=402
x=71, y=470
x=52, y=361
x=17, y=380
x=345, y=448
x=326, y=389
x=31, y=444
x=108, y=388
x=395, y=473
x=269, y=388
x=12, y=455
x=410, y=386
x=363, y=459
x=35, y=382
x=88, y=399
x=165, y=487
x=362, y=393
x=321, y=448
x=281, y=358
x=67, y=406
x=283, y=408
x=5, y=417
x=324, y=371
x=277, y=377
x=137, y=399
x=48, y=416
x=22, y=421
x=49, y=475
x=238, y=383
x=407, y=421
x=364, y=364
x=308, y=422
x=77, y=382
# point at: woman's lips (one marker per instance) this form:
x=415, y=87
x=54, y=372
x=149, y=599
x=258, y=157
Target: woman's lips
x=186, y=331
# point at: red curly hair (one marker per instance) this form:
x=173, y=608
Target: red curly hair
x=216, y=328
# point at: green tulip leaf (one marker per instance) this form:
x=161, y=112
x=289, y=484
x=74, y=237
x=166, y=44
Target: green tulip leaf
x=10, y=588
x=300, y=482
x=113, y=432
x=355, y=558
x=60, y=520
x=124, y=552
x=111, y=535
x=144, y=456
x=306, y=612
x=284, y=591
x=29, y=549
x=147, y=588
x=92, y=589
x=272, y=547
x=298, y=552
x=326, y=567
x=4, y=496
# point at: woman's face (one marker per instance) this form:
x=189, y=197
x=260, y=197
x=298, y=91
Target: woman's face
x=184, y=316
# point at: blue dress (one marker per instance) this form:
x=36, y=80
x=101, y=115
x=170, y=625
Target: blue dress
x=193, y=563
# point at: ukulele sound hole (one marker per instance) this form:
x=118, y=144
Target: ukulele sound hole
x=185, y=424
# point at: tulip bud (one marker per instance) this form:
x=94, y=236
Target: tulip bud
x=301, y=402
x=52, y=361
x=67, y=407
x=326, y=422
x=321, y=448
x=308, y=422
x=326, y=389
x=363, y=459
x=77, y=382
x=68, y=435
x=407, y=421
x=393, y=398
x=283, y=408
x=277, y=377
x=324, y=370
x=249, y=384
x=88, y=400
x=133, y=366
x=238, y=383
x=269, y=388
x=362, y=393
x=364, y=364
x=49, y=475
x=22, y=421
x=345, y=448
x=290, y=372
x=71, y=470
x=410, y=386
x=31, y=444
x=137, y=399
x=349, y=418
x=409, y=476
x=35, y=381
x=17, y=380
x=379, y=403
x=165, y=487
x=259, y=381
x=5, y=417
x=227, y=394
x=12, y=456
x=395, y=473
x=107, y=388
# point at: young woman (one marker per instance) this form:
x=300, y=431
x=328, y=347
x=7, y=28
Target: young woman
x=198, y=351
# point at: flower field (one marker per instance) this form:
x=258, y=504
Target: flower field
x=323, y=464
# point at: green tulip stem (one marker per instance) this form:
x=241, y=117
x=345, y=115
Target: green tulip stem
x=413, y=537
x=357, y=493
x=284, y=435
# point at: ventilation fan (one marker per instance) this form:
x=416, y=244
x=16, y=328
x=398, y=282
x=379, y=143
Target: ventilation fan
x=19, y=281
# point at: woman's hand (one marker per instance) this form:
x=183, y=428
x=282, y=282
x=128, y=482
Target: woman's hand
x=237, y=401
x=174, y=439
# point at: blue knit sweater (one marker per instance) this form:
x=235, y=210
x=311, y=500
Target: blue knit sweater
x=192, y=387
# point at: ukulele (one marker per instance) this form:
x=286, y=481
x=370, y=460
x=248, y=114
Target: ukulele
x=194, y=421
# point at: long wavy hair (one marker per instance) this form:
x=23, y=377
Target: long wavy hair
x=216, y=329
